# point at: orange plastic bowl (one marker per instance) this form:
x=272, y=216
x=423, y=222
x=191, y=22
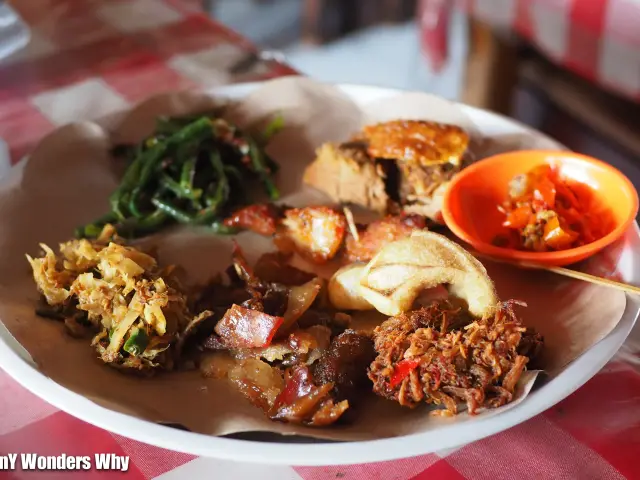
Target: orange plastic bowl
x=470, y=203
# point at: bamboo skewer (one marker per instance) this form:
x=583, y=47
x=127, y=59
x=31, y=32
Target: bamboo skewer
x=586, y=277
x=567, y=272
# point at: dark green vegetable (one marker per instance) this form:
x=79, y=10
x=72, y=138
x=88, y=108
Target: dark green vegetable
x=92, y=230
x=181, y=192
x=170, y=125
x=222, y=229
x=173, y=212
x=193, y=132
x=137, y=342
x=188, y=173
x=191, y=170
x=134, y=227
x=222, y=189
x=260, y=167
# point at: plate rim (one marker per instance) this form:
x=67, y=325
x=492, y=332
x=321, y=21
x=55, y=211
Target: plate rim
x=324, y=453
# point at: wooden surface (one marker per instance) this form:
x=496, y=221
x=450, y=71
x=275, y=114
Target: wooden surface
x=327, y=20
x=491, y=69
x=613, y=117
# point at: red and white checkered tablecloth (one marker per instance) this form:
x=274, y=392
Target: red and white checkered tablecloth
x=598, y=39
x=108, y=54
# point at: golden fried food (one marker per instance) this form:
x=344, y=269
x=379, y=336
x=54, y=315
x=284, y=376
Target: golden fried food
x=344, y=288
x=395, y=277
x=400, y=165
x=117, y=291
x=372, y=237
x=316, y=233
x=416, y=141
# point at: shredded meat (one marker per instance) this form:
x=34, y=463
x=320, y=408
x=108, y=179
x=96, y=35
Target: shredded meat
x=440, y=355
x=375, y=235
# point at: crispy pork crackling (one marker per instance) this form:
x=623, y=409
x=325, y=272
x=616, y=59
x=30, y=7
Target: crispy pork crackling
x=394, y=278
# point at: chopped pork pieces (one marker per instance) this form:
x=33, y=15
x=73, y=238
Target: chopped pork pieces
x=319, y=234
x=399, y=165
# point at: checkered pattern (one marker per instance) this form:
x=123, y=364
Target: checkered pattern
x=105, y=55
x=598, y=39
x=593, y=434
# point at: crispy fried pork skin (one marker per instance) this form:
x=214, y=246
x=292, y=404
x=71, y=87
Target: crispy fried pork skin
x=348, y=175
x=442, y=356
x=416, y=141
x=401, y=270
x=401, y=163
x=372, y=237
x=316, y=233
x=258, y=381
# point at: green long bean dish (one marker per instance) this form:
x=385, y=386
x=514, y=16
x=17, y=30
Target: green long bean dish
x=191, y=170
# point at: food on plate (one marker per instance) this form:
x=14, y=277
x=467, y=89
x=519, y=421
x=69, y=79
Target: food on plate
x=119, y=294
x=546, y=212
x=367, y=240
x=441, y=355
x=469, y=347
x=347, y=174
x=466, y=347
x=281, y=336
x=262, y=219
x=344, y=288
x=320, y=233
x=190, y=171
x=287, y=353
x=401, y=270
x=316, y=233
x=397, y=165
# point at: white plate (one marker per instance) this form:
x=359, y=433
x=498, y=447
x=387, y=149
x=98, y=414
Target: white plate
x=273, y=449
